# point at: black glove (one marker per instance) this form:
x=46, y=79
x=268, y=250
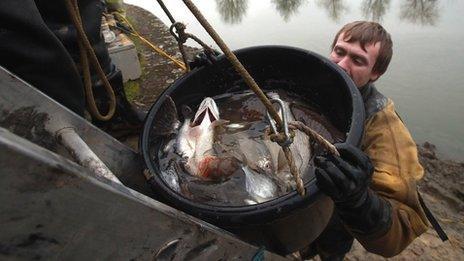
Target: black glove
x=346, y=180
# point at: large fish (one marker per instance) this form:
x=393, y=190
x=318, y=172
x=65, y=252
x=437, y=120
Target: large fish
x=195, y=138
x=266, y=170
x=267, y=156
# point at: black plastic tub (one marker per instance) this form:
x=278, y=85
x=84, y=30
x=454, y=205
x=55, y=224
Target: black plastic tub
x=290, y=222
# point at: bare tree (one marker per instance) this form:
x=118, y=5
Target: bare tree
x=423, y=12
x=375, y=9
x=232, y=11
x=334, y=8
x=287, y=8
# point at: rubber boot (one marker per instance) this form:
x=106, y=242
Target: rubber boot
x=126, y=118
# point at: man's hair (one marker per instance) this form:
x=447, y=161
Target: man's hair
x=369, y=33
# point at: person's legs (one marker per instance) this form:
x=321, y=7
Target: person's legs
x=32, y=51
x=38, y=43
x=332, y=244
x=58, y=20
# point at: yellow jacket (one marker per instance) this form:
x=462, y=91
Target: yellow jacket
x=397, y=169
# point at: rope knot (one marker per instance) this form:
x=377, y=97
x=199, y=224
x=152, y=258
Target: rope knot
x=282, y=139
x=180, y=34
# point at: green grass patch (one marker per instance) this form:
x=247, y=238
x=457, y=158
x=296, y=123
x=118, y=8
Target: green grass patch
x=132, y=89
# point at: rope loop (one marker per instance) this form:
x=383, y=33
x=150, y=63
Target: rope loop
x=88, y=57
x=179, y=34
x=281, y=139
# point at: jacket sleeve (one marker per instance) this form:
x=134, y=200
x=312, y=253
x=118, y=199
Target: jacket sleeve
x=394, y=155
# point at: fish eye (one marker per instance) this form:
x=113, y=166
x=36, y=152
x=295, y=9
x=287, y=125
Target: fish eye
x=264, y=165
x=186, y=111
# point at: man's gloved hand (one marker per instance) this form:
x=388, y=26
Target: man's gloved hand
x=346, y=180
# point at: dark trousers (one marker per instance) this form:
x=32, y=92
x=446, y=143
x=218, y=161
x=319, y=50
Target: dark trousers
x=38, y=44
x=332, y=244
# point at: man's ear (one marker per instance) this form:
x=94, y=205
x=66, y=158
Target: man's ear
x=374, y=76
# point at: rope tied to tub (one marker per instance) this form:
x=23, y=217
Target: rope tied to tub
x=177, y=30
x=253, y=86
x=281, y=134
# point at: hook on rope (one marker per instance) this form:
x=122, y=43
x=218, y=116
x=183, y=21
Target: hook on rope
x=208, y=56
x=287, y=138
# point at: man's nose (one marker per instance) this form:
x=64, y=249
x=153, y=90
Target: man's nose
x=344, y=63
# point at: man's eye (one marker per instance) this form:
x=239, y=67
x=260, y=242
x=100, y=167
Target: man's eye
x=358, y=61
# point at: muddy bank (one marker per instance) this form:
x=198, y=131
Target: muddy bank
x=442, y=186
x=157, y=72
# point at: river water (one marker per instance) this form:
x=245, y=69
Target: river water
x=424, y=78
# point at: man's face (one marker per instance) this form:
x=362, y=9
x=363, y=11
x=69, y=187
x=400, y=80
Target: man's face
x=356, y=62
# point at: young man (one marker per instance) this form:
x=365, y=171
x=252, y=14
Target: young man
x=373, y=188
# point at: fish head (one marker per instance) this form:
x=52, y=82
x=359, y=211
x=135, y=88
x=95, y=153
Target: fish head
x=207, y=111
x=254, y=154
x=196, y=133
x=196, y=140
x=264, y=165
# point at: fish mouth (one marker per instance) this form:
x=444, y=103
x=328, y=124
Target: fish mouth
x=208, y=107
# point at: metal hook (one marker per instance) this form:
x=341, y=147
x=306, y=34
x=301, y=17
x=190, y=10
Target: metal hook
x=288, y=139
